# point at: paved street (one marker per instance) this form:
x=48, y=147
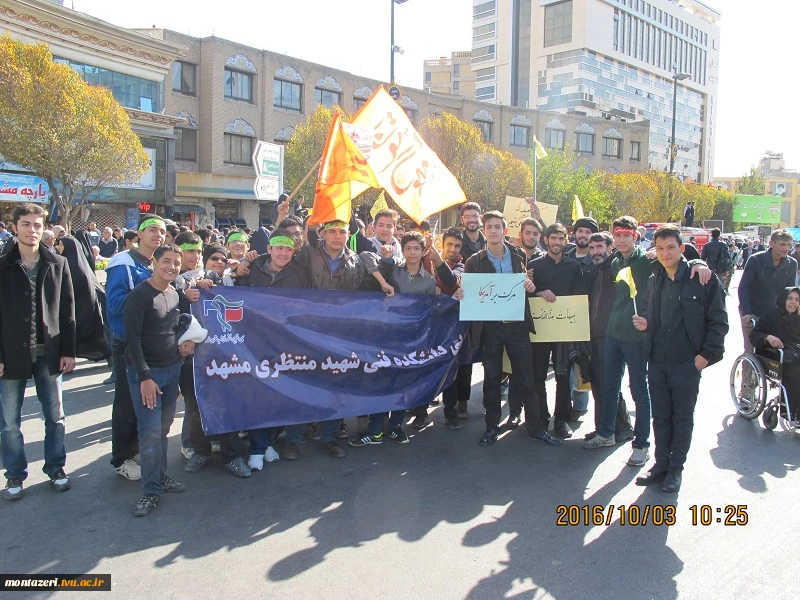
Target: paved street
x=441, y=518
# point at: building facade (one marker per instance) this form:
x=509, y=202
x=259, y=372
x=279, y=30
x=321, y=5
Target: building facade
x=450, y=75
x=613, y=59
x=231, y=95
x=134, y=67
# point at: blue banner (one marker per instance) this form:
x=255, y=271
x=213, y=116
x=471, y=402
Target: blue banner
x=283, y=356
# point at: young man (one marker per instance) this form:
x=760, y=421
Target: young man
x=554, y=275
x=686, y=324
x=624, y=345
x=124, y=272
x=474, y=241
x=514, y=337
x=688, y=214
x=530, y=233
x=406, y=278
x=237, y=243
x=715, y=254
x=108, y=245
x=153, y=368
x=37, y=339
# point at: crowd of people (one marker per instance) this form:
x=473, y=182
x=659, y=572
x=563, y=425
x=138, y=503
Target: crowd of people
x=665, y=334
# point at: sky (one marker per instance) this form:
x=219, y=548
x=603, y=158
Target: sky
x=755, y=102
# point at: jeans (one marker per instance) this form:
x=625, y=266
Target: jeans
x=124, y=437
x=598, y=364
x=617, y=355
x=48, y=390
x=515, y=339
x=375, y=424
x=541, y=364
x=328, y=431
x=458, y=391
x=580, y=398
x=673, y=389
x=260, y=439
x=154, y=423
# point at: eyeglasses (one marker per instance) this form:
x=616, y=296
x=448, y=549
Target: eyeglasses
x=218, y=258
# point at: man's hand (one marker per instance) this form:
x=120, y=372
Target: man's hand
x=150, y=392
x=66, y=364
x=243, y=269
x=251, y=256
x=369, y=231
x=283, y=210
x=205, y=283
x=388, y=289
x=436, y=258
x=547, y=295
x=650, y=254
x=2, y=369
x=186, y=348
x=386, y=251
x=639, y=323
x=700, y=363
x=746, y=319
x=529, y=286
x=192, y=294
x=773, y=341
x=704, y=274
x=459, y=295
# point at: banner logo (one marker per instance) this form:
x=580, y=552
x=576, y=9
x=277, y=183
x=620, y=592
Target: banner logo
x=227, y=312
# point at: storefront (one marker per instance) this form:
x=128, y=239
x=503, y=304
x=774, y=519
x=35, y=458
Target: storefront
x=226, y=200
x=20, y=187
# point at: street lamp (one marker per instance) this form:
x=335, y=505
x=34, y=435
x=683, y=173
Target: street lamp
x=673, y=147
x=394, y=48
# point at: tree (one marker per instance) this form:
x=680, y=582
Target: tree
x=752, y=184
x=75, y=136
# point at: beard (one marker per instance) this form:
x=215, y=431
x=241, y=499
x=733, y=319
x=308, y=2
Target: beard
x=581, y=243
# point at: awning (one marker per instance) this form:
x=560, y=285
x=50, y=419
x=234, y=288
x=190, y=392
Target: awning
x=188, y=208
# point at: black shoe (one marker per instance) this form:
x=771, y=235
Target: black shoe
x=334, y=449
x=625, y=436
x=489, y=438
x=653, y=476
x=146, y=505
x=512, y=422
x=545, y=437
x=171, y=486
x=562, y=429
x=109, y=380
x=453, y=424
x=672, y=482
x=420, y=421
x=59, y=481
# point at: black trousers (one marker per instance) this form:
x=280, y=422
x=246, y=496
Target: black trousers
x=514, y=338
x=791, y=381
x=229, y=444
x=623, y=422
x=673, y=395
x=124, y=430
x=542, y=351
x=458, y=391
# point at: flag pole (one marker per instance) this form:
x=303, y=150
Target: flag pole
x=534, y=171
x=634, y=306
x=304, y=179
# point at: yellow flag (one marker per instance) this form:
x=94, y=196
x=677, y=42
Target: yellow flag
x=577, y=209
x=380, y=204
x=538, y=148
x=405, y=166
x=626, y=275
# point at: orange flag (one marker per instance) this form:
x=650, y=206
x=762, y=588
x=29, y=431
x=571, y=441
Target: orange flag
x=343, y=174
x=404, y=165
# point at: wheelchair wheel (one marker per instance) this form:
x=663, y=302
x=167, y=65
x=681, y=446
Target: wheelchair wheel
x=787, y=424
x=770, y=416
x=748, y=386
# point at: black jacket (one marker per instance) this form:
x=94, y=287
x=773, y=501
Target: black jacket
x=564, y=278
x=602, y=294
x=55, y=309
x=703, y=306
x=292, y=276
x=717, y=257
x=762, y=281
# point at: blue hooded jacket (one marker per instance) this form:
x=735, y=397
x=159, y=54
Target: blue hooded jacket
x=123, y=273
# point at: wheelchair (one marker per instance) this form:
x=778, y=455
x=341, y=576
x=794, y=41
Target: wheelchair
x=757, y=389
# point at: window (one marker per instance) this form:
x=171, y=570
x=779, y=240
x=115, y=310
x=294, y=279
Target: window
x=358, y=103
x=636, y=149
x=411, y=114
x=428, y=76
x=326, y=98
x=486, y=130
x=483, y=32
x=185, y=143
x=585, y=143
x=520, y=135
x=286, y=95
x=238, y=149
x=611, y=147
x=482, y=54
x=558, y=24
x=238, y=85
x=456, y=86
x=183, y=78
x=456, y=70
x=485, y=74
x=554, y=138
x=484, y=93
x=487, y=9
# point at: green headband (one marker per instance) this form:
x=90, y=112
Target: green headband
x=335, y=225
x=238, y=237
x=281, y=240
x=192, y=246
x=151, y=221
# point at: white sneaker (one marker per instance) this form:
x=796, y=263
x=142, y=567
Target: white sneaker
x=256, y=462
x=270, y=455
x=639, y=457
x=129, y=470
x=187, y=453
x=215, y=447
x=599, y=441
